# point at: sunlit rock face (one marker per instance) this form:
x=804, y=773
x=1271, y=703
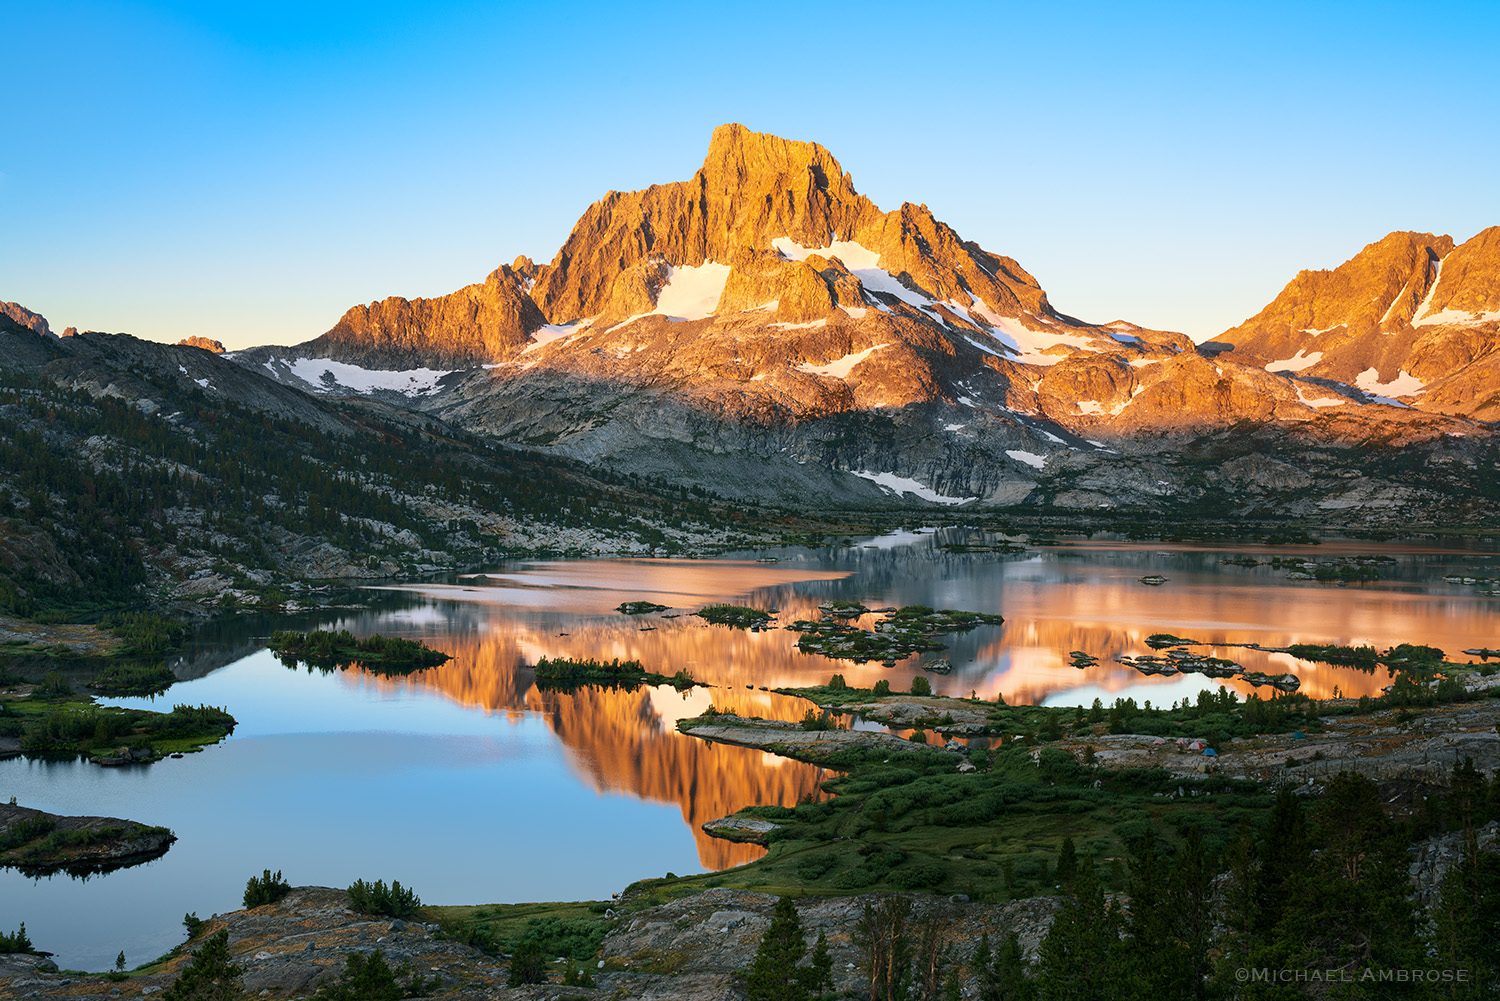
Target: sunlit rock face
x=764, y=330
x=1411, y=318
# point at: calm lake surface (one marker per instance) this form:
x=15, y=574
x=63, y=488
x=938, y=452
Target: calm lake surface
x=472, y=786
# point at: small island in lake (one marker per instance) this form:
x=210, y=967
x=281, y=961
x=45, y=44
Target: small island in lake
x=328, y=651
x=563, y=674
x=51, y=718
x=40, y=843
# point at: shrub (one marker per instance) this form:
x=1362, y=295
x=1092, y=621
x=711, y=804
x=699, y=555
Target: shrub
x=837, y=683
x=811, y=867
x=882, y=687
x=917, y=875
x=379, y=900
x=193, y=924
x=265, y=889
x=16, y=941
x=370, y=978
x=527, y=965
x=921, y=686
x=210, y=976
x=814, y=720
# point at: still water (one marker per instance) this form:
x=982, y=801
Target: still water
x=469, y=784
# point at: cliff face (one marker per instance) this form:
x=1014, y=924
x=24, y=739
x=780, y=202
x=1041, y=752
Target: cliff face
x=1411, y=318
x=24, y=317
x=476, y=324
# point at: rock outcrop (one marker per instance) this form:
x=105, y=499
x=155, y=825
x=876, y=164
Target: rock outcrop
x=19, y=314
x=688, y=950
x=206, y=343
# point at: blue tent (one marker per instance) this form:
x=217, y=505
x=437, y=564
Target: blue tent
x=1299, y=735
x=1210, y=753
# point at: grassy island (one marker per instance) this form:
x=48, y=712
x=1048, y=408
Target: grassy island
x=51, y=718
x=563, y=674
x=39, y=843
x=905, y=631
x=734, y=616
x=329, y=651
x=639, y=607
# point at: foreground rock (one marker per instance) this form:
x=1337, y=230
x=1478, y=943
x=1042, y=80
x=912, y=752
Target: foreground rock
x=687, y=950
x=708, y=936
x=1417, y=751
x=41, y=843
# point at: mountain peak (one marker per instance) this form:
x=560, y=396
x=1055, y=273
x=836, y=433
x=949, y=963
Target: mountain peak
x=26, y=318
x=737, y=155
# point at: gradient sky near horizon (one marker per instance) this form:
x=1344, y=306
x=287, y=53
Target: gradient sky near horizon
x=249, y=171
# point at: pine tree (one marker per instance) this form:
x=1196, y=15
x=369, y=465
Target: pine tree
x=1467, y=915
x=774, y=975
x=1067, y=861
x=211, y=976
x=1080, y=958
x=1002, y=974
x=881, y=934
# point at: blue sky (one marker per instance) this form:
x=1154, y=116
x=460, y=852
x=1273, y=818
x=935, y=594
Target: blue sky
x=247, y=172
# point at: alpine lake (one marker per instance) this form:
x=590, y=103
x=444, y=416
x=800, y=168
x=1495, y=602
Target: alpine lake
x=471, y=785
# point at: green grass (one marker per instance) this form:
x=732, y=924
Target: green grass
x=573, y=929
x=910, y=822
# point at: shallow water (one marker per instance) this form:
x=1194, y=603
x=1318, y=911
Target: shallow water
x=467, y=783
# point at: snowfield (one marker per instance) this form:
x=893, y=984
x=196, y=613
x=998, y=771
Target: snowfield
x=329, y=375
x=891, y=483
x=692, y=293
x=1296, y=362
x=840, y=367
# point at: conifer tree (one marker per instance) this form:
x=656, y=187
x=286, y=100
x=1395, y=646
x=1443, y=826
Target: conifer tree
x=211, y=976
x=775, y=974
x=1080, y=959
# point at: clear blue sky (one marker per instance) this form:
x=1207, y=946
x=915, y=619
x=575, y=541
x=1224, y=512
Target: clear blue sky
x=247, y=172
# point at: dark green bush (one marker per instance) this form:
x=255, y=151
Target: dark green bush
x=921, y=686
x=527, y=965
x=265, y=889
x=372, y=979
x=16, y=941
x=379, y=900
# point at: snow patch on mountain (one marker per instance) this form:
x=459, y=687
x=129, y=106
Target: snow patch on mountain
x=328, y=375
x=839, y=368
x=692, y=293
x=1320, y=401
x=1403, y=385
x=864, y=264
x=893, y=484
x=1030, y=458
x=1457, y=318
x=1296, y=362
x=549, y=332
